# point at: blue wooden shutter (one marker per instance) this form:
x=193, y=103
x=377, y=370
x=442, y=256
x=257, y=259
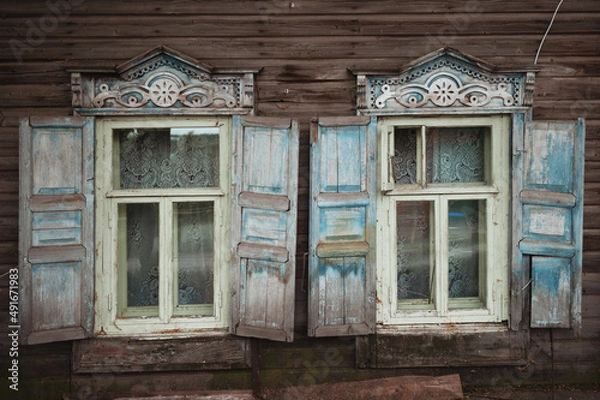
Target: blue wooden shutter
x=56, y=245
x=265, y=180
x=552, y=220
x=342, y=227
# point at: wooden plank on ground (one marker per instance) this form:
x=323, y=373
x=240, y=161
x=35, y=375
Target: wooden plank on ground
x=399, y=388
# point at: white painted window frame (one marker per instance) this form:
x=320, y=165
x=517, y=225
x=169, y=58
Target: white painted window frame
x=497, y=195
x=166, y=324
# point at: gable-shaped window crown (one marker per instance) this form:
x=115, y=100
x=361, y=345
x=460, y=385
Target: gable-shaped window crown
x=163, y=81
x=446, y=81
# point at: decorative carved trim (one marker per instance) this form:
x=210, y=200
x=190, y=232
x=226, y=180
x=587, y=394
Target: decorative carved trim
x=528, y=92
x=165, y=89
x=443, y=90
x=163, y=81
x=444, y=80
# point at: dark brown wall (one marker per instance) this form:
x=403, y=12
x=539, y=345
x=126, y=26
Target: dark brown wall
x=305, y=48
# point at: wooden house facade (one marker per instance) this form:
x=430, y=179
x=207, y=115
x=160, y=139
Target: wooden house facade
x=256, y=195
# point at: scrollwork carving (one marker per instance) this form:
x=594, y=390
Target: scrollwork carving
x=444, y=89
x=165, y=89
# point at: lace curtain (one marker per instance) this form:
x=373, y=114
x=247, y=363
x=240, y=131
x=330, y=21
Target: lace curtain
x=142, y=252
x=453, y=155
x=466, y=238
x=193, y=253
x=414, y=249
x=465, y=247
x=156, y=158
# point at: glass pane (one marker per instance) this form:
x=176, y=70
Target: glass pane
x=139, y=254
x=168, y=158
x=194, y=253
x=456, y=155
x=405, y=156
x=466, y=246
x=415, y=249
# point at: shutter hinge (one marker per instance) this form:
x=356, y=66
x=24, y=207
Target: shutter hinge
x=109, y=302
x=390, y=295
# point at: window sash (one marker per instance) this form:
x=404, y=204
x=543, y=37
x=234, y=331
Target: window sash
x=492, y=303
x=183, y=319
x=440, y=304
x=168, y=306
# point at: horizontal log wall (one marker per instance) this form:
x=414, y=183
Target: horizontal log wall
x=305, y=49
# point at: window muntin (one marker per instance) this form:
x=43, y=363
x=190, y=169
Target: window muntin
x=163, y=192
x=443, y=213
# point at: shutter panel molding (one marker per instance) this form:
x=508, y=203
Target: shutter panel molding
x=265, y=190
x=342, y=227
x=552, y=221
x=56, y=242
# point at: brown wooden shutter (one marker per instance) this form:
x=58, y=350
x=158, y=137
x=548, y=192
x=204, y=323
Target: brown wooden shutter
x=552, y=220
x=56, y=245
x=342, y=227
x=265, y=180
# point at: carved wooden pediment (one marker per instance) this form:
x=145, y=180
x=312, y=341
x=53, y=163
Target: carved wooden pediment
x=445, y=80
x=163, y=81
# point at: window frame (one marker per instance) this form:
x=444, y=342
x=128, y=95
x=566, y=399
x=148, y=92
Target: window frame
x=167, y=323
x=497, y=196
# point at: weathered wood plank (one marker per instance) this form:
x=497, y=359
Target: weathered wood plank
x=301, y=7
x=580, y=351
x=9, y=227
x=393, y=24
x=316, y=48
x=558, y=108
x=33, y=95
x=438, y=350
x=592, y=193
x=9, y=252
x=120, y=355
x=589, y=330
x=590, y=239
x=401, y=388
x=567, y=87
x=590, y=306
x=591, y=283
x=92, y=385
x=591, y=260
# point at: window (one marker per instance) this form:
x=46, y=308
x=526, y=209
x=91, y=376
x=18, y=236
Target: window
x=162, y=216
x=184, y=207
x=442, y=219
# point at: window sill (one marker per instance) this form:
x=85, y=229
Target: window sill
x=442, y=328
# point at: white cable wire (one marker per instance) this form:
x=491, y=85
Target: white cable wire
x=537, y=54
